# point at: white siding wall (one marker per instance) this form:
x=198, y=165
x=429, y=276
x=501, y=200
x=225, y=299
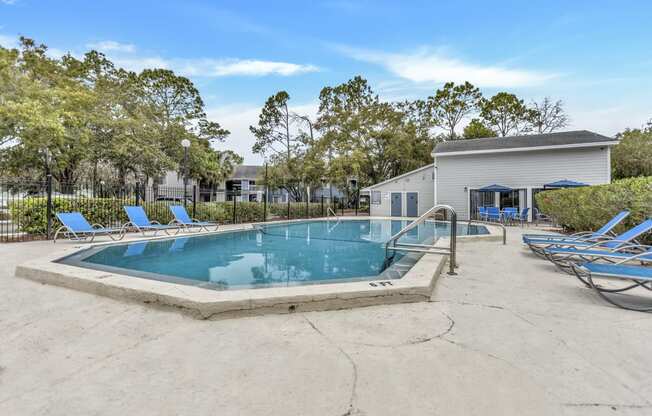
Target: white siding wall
x=517, y=170
x=420, y=181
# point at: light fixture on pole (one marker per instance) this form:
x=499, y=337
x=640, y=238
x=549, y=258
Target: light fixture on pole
x=185, y=143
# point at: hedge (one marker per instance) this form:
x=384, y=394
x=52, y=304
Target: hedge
x=30, y=213
x=588, y=208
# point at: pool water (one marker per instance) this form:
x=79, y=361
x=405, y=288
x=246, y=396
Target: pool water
x=287, y=254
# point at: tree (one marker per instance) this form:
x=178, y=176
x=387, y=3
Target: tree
x=548, y=116
x=451, y=104
x=272, y=134
x=506, y=113
x=368, y=140
x=633, y=155
x=73, y=115
x=477, y=130
x=280, y=137
x=43, y=112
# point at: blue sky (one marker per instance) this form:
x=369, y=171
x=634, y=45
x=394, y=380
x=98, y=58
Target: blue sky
x=594, y=55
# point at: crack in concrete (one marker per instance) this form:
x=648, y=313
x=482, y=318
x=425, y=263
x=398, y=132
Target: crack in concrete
x=93, y=364
x=558, y=339
x=351, y=409
x=419, y=340
x=613, y=406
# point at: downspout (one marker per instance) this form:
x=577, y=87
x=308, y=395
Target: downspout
x=436, y=177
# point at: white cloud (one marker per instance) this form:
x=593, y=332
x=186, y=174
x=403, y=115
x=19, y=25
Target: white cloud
x=428, y=66
x=112, y=46
x=250, y=67
x=8, y=42
x=8, y=1
x=213, y=67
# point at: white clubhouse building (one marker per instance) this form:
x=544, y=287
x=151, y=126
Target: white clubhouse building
x=524, y=164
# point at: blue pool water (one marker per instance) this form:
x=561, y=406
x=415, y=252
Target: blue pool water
x=280, y=254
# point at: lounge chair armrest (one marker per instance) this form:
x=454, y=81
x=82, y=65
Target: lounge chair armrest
x=602, y=243
x=638, y=247
x=635, y=256
x=97, y=225
x=154, y=222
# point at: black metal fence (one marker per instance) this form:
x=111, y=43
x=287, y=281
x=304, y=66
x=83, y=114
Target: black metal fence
x=28, y=208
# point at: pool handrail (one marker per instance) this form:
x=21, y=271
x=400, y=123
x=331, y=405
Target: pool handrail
x=428, y=249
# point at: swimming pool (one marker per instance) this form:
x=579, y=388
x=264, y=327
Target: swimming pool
x=284, y=254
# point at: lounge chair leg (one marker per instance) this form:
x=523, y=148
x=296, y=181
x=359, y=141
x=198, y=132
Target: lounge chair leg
x=601, y=292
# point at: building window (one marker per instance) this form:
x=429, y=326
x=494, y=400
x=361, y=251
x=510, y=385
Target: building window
x=375, y=197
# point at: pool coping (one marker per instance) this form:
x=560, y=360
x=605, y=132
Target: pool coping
x=416, y=285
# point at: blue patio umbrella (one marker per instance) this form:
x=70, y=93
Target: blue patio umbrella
x=565, y=183
x=495, y=188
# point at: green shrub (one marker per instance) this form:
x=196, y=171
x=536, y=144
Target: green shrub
x=588, y=208
x=297, y=210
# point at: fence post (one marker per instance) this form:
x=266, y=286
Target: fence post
x=234, y=207
x=194, y=201
x=308, y=204
x=357, y=203
x=265, y=205
x=137, y=188
x=48, y=188
x=266, y=194
x=322, y=205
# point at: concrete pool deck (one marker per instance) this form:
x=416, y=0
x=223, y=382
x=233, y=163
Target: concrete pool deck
x=509, y=335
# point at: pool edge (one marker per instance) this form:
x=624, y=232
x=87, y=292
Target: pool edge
x=416, y=286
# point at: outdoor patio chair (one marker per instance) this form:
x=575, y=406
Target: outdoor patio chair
x=138, y=219
x=509, y=214
x=566, y=257
x=482, y=213
x=521, y=217
x=182, y=219
x=494, y=214
x=635, y=276
x=76, y=227
x=622, y=240
x=581, y=236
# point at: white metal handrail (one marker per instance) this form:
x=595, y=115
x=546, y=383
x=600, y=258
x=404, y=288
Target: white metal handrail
x=330, y=211
x=393, y=245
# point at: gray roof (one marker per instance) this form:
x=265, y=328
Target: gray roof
x=577, y=137
x=247, y=172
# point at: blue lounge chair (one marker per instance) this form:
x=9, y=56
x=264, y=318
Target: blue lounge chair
x=539, y=244
x=607, y=243
x=75, y=227
x=585, y=235
x=138, y=220
x=566, y=257
x=182, y=219
x=636, y=276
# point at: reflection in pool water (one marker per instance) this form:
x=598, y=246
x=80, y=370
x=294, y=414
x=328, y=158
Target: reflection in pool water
x=279, y=254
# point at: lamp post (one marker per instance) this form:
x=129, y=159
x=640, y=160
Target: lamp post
x=185, y=143
x=48, y=190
